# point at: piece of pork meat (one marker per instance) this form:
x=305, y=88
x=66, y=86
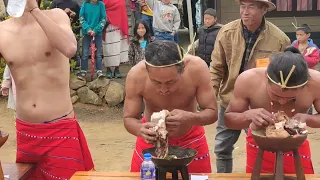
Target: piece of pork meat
x=159, y=118
x=294, y=126
x=277, y=130
x=284, y=126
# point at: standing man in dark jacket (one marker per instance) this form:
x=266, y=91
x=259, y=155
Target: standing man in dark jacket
x=207, y=36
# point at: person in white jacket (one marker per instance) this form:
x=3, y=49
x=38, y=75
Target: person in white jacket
x=8, y=88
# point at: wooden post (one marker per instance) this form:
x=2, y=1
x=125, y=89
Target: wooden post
x=257, y=167
x=298, y=165
x=190, y=20
x=279, y=166
x=1, y=172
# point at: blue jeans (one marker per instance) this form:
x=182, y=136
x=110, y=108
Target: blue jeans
x=224, y=145
x=149, y=20
x=163, y=35
x=86, y=41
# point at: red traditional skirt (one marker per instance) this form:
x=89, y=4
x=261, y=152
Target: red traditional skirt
x=195, y=139
x=269, y=158
x=58, y=149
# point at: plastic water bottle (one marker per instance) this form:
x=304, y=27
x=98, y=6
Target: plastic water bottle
x=147, y=169
x=15, y=8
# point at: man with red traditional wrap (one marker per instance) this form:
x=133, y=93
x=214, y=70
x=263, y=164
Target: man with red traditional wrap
x=37, y=47
x=115, y=37
x=288, y=85
x=167, y=81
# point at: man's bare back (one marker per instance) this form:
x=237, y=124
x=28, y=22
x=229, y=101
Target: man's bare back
x=194, y=87
x=258, y=97
x=40, y=70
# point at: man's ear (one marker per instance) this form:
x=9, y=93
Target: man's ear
x=309, y=35
x=266, y=76
x=265, y=10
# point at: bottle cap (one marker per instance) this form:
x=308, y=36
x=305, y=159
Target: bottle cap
x=147, y=156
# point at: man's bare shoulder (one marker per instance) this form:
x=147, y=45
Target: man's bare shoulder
x=194, y=64
x=252, y=77
x=314, y=77
x=4, y=24
x=57, y=15
x=5, y=28
x=137, y=74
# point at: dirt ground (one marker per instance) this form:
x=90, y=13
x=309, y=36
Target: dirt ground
x=112, y=146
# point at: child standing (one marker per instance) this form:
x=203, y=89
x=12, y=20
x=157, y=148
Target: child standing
x=207, y=36
x=93, y=20
x=305, y=45
x=166, y=19
x=139, y=42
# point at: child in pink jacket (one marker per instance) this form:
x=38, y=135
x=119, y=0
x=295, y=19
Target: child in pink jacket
x=304, y=43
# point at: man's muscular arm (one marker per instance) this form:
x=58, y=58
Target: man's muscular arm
x=132, y=104
x=205, y=96
x=313, y=121
x=57, y=27
x=234, y=117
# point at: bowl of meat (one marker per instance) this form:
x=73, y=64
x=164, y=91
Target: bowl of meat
x=164, y=155
x=176, y=157
x=285, y=135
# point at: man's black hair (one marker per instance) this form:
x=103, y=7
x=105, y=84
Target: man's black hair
x=284, y=62
x=164, y=52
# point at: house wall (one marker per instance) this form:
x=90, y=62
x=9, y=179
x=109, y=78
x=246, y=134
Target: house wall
x=230, y=11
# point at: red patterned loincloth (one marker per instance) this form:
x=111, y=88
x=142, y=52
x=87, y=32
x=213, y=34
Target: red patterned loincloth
x=58, y=149
x=269, y=158
x=195, y=138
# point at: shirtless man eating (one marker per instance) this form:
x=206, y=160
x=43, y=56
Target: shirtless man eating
x=285, y=85
x=166, y=81
x=36, y=48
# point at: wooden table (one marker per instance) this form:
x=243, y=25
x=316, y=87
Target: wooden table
x=17, y=171
x=136, y=176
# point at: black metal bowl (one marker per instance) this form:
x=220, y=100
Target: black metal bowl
x=184, y=157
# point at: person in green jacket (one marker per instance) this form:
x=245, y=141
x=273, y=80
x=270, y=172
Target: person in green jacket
x=92, y=19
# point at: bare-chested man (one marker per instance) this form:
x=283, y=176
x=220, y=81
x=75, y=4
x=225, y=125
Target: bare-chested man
x=166, y=81
x=36, y=47
x=269, y=94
